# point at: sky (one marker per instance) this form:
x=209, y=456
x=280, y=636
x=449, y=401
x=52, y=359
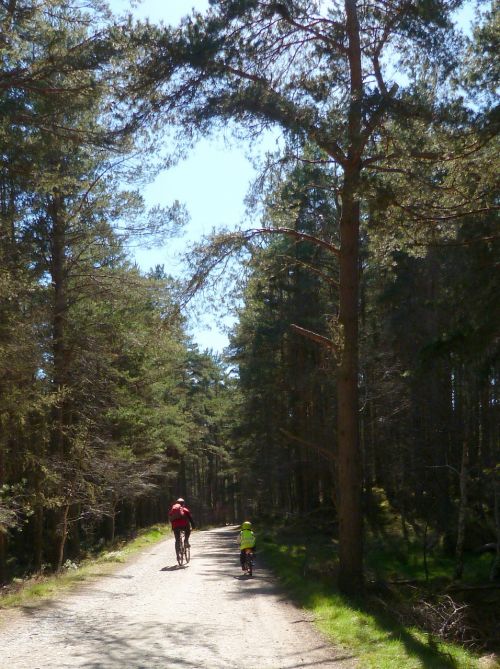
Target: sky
x=211, y=182
x=167, y=11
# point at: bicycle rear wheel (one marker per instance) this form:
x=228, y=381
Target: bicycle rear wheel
x=179, y=551
x=248, y=563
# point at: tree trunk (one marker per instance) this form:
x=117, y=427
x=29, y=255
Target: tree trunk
x=3, y=557
x=3, y=530
x=58, y=277
x=59, y=439
x=425, y=546
x=495, y=567
x=112, y=523
x=38, y=521
x=62, y=534
x=462, y=510
x=349, y=464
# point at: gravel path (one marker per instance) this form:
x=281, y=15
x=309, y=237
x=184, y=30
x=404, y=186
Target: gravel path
x=152, y=614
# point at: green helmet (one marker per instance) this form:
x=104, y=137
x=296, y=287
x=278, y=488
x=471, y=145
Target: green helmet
x=247, y=525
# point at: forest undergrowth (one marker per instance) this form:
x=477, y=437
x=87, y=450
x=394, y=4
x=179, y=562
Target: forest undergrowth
x=413, y=615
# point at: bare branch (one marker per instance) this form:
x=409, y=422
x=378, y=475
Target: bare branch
x=328, y=455
x=314, y=336
x=301, y=236
x=314, y=270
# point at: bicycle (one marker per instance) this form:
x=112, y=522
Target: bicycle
x=182, y=552
x=248, y=561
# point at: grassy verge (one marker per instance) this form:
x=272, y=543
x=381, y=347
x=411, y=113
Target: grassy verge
x=31, y=592
x=368, y=628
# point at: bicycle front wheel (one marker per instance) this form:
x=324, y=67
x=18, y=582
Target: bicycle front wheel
x=187, y=553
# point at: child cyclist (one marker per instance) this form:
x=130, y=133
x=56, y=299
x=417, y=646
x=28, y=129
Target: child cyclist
x=247, y=540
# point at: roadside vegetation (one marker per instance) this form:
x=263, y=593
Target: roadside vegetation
x=30, y=592
x=411, y=615
x=361, y=380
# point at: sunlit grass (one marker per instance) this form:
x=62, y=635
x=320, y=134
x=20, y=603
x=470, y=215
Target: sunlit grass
x=368, y=631
x=30, y=592
x=396, y=559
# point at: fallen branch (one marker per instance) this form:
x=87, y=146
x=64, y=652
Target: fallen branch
x=459, y=588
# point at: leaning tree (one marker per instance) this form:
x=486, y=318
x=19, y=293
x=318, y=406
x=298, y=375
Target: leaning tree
x=365, y=82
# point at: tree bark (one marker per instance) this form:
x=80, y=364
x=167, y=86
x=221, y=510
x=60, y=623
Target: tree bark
x=462, y=510
x=349, y=464
x=58, y=321
x=3, y=530
x=495, y=567
x=112, y=523
x=38, y=521
x=62, y=534
x=59, y=445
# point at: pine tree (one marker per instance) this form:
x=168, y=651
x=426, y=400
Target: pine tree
x=327, y=73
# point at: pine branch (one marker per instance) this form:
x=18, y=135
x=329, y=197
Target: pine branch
x=328, y=455
x=314, y=336
x=301, y=236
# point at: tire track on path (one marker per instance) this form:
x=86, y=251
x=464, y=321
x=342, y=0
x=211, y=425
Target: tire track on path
x=150, y=614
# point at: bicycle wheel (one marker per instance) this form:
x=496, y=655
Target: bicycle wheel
x=248, y=563
x=179, y=551
x=187, y=553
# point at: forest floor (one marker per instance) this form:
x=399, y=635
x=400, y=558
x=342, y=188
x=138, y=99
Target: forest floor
x=407, y=618
x=150, y=614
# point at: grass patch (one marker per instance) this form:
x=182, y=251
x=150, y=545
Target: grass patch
x=366, y=628
x=32, y=591
x=390, y=557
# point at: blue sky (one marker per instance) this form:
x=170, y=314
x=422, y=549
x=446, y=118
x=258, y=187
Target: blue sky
x=212, y=182
x=168, y=11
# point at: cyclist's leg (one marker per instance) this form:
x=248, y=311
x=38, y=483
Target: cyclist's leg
x=242, y=560
x=177, y=534
x=187, y=532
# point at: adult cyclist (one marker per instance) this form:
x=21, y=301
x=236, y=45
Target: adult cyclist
x=181, y=520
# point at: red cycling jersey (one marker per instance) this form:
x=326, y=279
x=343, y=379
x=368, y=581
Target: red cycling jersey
x=184, y=521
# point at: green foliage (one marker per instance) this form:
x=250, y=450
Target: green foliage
x=368, y=88
x=95, y=414
x=285, y=405
x=376, y=637
x=107, y=410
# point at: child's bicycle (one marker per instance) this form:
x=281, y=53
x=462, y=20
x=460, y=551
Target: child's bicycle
x=182, y=552
x=248, y=561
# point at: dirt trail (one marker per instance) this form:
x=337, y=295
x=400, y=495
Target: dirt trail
x=151, y=615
